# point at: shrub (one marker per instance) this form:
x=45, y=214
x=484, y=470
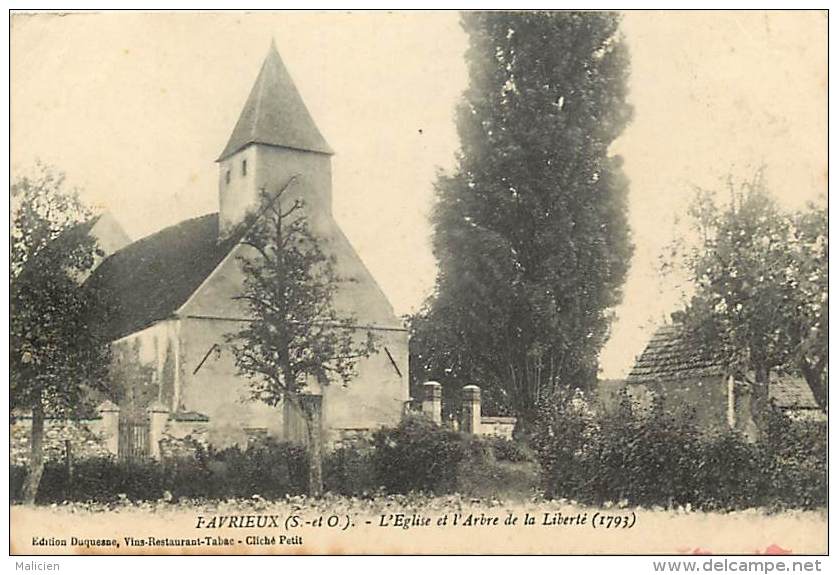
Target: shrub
x=487, y=469
x=17, y=474
x=650, y=457
x=510, y=450
x=798, y=473
x=417, y=455
x=269, y=468
x=562, y=438
x=100, y=479
x=654, y=454
x=350, y=471
x=729, y=473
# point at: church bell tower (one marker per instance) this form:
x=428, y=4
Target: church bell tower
x=274, y=140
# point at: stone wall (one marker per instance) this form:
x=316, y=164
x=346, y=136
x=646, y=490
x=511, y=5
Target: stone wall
x=350, y=439
x=86, y=439
x=173, y=448
x=498, y=426
x=471, y=418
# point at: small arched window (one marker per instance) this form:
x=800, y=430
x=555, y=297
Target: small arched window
x=244, y=167
x=227, y=177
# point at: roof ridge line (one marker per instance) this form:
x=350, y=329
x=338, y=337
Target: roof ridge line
x=236, y=238
x=259, y=96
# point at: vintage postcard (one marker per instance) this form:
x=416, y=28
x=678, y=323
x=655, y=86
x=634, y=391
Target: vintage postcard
x=437, y=282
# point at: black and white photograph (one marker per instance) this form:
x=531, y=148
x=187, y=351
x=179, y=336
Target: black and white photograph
x=441, y=282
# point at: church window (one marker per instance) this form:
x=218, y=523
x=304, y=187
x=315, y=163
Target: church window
x=227, y=177
x=244, y=167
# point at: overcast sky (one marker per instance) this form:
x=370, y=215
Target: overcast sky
x=135, y=108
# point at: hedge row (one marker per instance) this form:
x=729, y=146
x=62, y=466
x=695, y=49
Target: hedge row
x=656, y=458
x=649, y=458
x=270, y=469
x=417, y=455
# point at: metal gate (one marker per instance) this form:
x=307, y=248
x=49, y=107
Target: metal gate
x=133, y=440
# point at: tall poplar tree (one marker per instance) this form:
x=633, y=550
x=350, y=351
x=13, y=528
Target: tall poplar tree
x=530, y=229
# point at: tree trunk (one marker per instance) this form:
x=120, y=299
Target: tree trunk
x=759, y=398
x=69, y=467
x=312, y=410
x=36, y=455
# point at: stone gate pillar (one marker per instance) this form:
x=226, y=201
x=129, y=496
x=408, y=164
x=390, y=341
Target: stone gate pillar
x=432, y=401
x=109, y=411
x=158, y=416
x=471, y=409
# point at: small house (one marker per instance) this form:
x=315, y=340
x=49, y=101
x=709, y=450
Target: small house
x=684, y=374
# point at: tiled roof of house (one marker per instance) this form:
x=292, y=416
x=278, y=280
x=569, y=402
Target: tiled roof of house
x=672, y=354
x=148, y=280
x=275, y=114
x=792, y=393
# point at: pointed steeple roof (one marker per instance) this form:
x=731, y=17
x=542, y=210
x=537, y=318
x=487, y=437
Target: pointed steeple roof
x=275, y=114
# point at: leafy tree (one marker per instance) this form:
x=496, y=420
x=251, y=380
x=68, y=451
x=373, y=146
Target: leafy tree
x=810, y=250
x=57, y=351
x=296, y=336
x=761, y=292
x=530, y=230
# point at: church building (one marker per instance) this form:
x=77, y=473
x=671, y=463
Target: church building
x=172, y=295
